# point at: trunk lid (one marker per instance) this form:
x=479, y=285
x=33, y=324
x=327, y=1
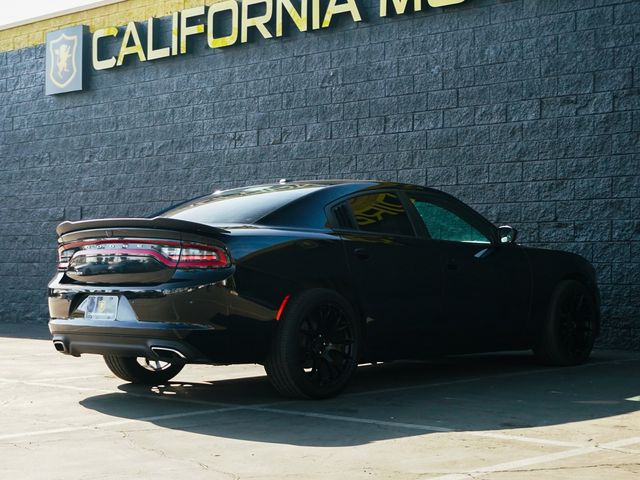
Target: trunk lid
x=137, y=250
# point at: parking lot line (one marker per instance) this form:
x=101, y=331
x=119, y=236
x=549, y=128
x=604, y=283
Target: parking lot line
x=324, y=416
x=540, y=459
x=55, y=385
x=271, y=408
x=415, y=426
x=486, y=377
x=61, y=379
x=115, y=392
x=518, y=438
x=267, y=408
x=115, y=423
x=46, y=383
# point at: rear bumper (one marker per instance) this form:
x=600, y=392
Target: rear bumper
x=207, y=322
x=159, y=341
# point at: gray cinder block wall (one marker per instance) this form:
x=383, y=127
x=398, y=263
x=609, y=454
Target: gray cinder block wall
x=527, y=109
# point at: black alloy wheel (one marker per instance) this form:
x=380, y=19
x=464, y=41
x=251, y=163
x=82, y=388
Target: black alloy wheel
x=315, y=352
x=326, y=344
x=571, y=327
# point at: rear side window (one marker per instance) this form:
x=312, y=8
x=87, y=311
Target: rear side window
x=381, y=213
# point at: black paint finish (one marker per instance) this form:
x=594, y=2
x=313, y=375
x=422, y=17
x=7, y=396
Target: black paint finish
x=414, y=295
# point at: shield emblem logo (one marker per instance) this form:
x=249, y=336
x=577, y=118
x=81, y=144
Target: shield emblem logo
x=62, y=64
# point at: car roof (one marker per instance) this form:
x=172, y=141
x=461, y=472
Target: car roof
x=304, y=210
x=308, y=211
x=326, y=183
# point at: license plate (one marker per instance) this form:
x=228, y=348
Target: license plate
x=99, y=307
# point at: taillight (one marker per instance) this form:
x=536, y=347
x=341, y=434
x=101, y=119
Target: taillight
x=171, y=253
x=200, y=256
x=63, y=258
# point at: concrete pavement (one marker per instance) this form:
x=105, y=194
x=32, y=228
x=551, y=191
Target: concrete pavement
x=485, y=416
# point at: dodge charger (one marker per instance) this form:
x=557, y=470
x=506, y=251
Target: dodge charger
x=310, y=279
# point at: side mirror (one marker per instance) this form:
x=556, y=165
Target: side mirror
x=507, y=234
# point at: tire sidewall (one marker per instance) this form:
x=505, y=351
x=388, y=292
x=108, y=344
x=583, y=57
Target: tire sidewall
x=552, y=346
x=288, y=334
x=128, y=369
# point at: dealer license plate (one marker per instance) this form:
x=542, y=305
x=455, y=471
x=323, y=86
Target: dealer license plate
x=98, y=307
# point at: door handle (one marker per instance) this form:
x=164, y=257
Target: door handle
x=362, y=254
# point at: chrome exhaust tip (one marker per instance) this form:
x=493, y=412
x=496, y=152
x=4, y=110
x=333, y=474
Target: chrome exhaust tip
x=59, y=346
x=166, y=353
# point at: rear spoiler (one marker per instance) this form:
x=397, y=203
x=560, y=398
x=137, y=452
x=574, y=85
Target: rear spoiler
x=160, y=223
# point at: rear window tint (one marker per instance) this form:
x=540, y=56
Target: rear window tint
x=381, y=213
x=242, y=205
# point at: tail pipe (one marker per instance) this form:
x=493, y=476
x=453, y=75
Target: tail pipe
x=60, y=346
x=168, y=354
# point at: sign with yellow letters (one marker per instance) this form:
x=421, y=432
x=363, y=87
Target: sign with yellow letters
x=230, y=22
x=223, y=24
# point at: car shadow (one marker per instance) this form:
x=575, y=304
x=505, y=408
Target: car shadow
x=401, y=399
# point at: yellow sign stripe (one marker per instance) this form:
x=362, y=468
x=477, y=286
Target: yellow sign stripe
x=115, y=14
x=125, y=12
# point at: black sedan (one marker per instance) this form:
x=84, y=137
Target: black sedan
x=310, y=279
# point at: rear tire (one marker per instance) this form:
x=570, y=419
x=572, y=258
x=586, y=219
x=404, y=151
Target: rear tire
x=570, y=329
x=149, y=372
x=315, y=351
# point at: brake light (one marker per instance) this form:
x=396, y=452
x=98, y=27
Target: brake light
x=198, y=256
x=171, y=253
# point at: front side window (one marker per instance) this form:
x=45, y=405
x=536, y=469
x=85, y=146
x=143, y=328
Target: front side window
x=442, y=224
x=381, y=213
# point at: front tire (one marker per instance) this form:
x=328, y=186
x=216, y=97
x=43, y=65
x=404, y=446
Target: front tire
x=316, y=347
x=142, y=371
x=568, y=335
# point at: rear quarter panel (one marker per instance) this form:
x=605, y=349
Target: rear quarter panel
x=272, y=263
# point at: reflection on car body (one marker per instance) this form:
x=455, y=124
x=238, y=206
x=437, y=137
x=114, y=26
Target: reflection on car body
x=311, y=278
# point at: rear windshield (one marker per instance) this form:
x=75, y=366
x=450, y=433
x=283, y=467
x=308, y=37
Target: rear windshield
x=240, y=205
